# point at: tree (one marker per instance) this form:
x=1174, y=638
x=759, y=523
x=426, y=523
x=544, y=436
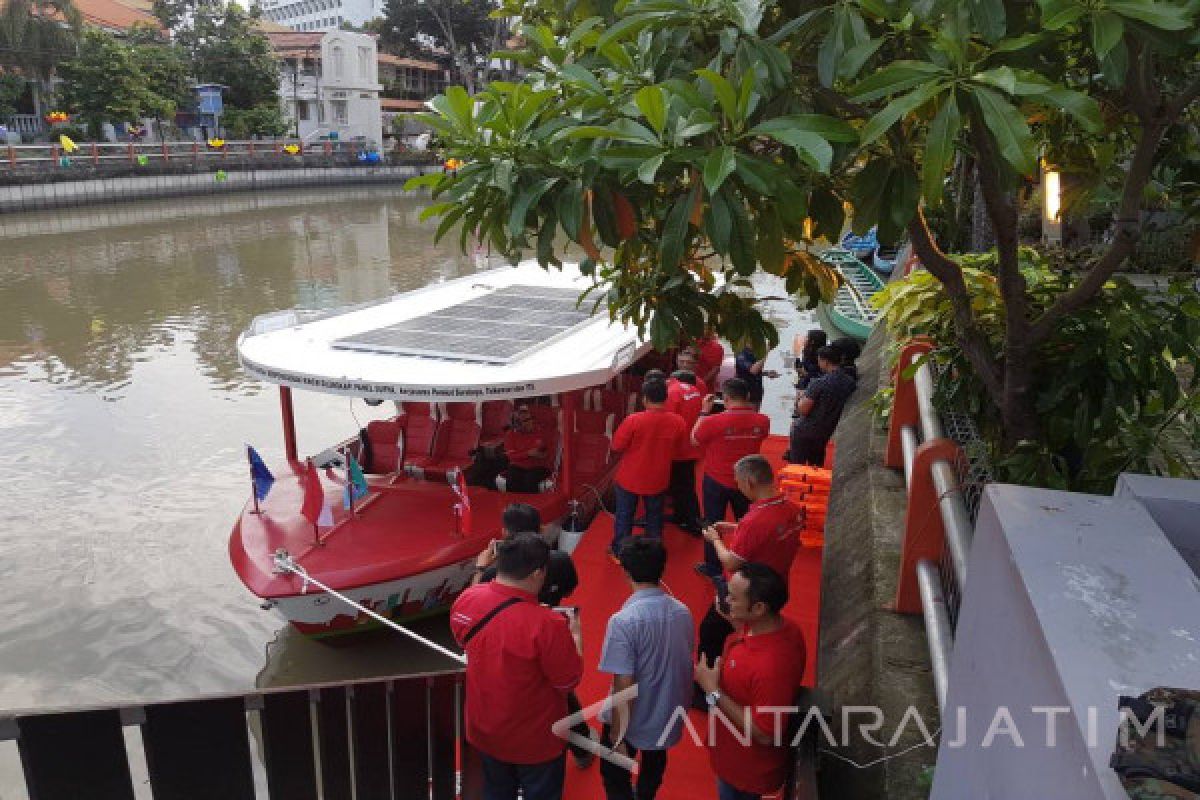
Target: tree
x=702, y=137
x=11, y=89
x=462, y=28
x=165, y=68
x=36, y=36
x=264, y=120
x=103, y=83
x=225, y=48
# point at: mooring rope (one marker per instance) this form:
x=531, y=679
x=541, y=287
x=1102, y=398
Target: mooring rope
x=284, y=562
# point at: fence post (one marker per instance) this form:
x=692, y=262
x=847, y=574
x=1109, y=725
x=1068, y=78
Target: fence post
x=12, y=156
x=132, y=156
x=54, y=153
x=95, y=155
x=904, y=401
x=924, y=532
x=166, y=152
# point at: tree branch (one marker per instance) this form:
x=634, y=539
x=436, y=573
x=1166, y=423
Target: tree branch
x=946, y=270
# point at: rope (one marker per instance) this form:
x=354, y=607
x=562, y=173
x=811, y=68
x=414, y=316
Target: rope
x=285, y=563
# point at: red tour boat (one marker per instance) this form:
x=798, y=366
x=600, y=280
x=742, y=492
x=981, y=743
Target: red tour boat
x=452, y=357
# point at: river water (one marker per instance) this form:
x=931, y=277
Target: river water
x=123, y=419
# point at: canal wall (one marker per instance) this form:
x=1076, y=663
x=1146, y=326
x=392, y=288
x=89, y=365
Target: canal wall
x=39, y=196
x=869, y=656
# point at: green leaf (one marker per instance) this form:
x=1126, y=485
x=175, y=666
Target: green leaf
x=624, y=29
x=718, y=222
x=649, y=168
x=1018, y=43
x=1002, y=78
x=854, y=58
x=870, y=193
x=770, y=249
x=1058, y=14
x=897, y=77
x=939, y=148
x=756, y=174
x=723, y=90
x=809, y=147
x=745, y=96
x=458, y=106
x=717, y=167
x=831, y=128
x=741, y=239
x=1078, y=105
x=527, y=198
x=579, y=74
x=664, y=330
x=903, y=193
x=545, y=240
x=988, y=18
x=448, y=222
x=1009, y=130
x=675, y=232
x=1157, y=15
x=893, y=111
x=605, y=217
x=1107, y=30
x=653, y=106
x=570, y=209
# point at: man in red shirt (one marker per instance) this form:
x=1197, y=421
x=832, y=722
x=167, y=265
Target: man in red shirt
x=646, y=441
x=522, y=660
x=711, y=355
x=525, y=448
x=769, y=534
x=688, y=361
x=685, y=399
x=759, y=673
x=724, y=438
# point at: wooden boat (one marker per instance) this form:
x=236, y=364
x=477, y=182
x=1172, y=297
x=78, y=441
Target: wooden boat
x=453, y=357
x=851, y=311
x=884, y=259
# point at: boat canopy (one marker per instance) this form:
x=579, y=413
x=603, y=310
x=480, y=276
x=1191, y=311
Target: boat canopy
x=503, y=333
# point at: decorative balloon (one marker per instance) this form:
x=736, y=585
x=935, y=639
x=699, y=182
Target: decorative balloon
x=216, y=144
x=67, y=145
x=220, y=176
x=142, y=161
x=55, y=117
x=291, y=149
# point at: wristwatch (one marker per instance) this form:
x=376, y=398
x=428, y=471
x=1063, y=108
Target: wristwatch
x=712, y=698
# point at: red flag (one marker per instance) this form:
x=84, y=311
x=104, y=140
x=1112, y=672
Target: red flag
x=462, y=509
x=314, y=495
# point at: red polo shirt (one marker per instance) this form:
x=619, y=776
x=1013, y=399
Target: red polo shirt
x=769, y=534
x=517, y=445
x=520, y=667
x=761, y=672
x=728, y=436
x=710, y=355
x=686, y=401
x=647, y=441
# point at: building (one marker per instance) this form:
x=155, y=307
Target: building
x=320, y=15
x=329, y=85
x=407, y=84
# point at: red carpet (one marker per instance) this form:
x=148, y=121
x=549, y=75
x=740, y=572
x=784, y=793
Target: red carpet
x=603, y=589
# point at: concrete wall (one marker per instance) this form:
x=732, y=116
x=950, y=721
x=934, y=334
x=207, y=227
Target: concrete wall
x=33, y=197
x=867, y=655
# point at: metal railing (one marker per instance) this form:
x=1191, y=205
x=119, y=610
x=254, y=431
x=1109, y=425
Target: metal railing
x=399, y=737
x=938, y=524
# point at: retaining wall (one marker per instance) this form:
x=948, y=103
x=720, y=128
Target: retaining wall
x=65, y=194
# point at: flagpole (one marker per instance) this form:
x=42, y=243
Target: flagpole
x=253, y=485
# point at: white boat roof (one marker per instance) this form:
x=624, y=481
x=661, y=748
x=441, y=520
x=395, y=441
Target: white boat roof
x=503, y=333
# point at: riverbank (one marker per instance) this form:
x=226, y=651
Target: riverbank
x=101, y=189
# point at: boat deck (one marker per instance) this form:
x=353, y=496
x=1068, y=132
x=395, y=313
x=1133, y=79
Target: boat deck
x=603, y=590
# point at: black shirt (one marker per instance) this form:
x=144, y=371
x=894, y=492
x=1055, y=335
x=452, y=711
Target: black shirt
x=829, y=393
x=754, y=381
x=561, y=578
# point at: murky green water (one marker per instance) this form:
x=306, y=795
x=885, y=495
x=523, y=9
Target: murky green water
x=123, y=416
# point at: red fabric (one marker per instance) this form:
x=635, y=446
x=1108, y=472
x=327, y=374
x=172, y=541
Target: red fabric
x=710, y=355
x=591, y=456
x=760, y=672
x=496, y=414
x=646, y=441
x=728, y=436
x=314, y=495
x=685, y=401
x=384, y=436
x=769, y=534
x=517, y=445
x=520, y=667
x=462, y=508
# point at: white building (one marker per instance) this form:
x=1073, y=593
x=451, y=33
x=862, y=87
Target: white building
x=329, y=84
x=320, y=15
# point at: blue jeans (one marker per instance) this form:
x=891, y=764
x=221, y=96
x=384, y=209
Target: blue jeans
x=727, y=792
x=716, y=499
x=544, y=781
x=627, y=503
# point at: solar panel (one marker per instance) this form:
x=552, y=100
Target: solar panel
x=497, y=328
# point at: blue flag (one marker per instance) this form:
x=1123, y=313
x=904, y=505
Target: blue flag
x=262, y=477
x=356, y=482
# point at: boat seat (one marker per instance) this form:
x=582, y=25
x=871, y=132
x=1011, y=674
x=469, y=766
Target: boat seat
x=601, y=421
x=592, y=456
x=494, y=418
x=453, y=446
x=613, y=401
x=545, y=418
x=385, y=437
x=419, y=432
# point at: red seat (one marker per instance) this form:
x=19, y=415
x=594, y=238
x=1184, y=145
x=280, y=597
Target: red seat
x=462, y=411
x=496, y=415
x=592, y=452
x=545, y=418
x=384, y=436
x=419, y=432
x=594, y=422
x=452, y=447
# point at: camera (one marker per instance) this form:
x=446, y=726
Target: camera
x=718, y=404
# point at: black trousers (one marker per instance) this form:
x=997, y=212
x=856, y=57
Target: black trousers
x=807, y=449
x=525, y=479
x=683, y=493
x=617, y=781
x=582, y=728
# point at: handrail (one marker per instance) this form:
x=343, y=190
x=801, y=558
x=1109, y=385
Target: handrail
x=937, y=523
